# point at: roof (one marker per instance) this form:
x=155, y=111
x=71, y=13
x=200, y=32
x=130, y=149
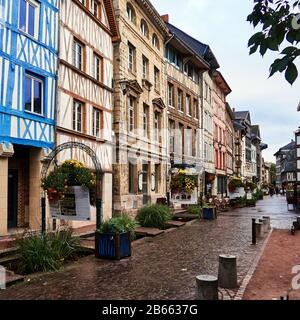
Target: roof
x=112, y=20
x=200, y=48
x=255, y=130
x=238, y=126
x=241, y=115
x=286, y=148
x=221, y=82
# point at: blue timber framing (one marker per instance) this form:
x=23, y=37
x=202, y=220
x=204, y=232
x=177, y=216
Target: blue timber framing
x=20, y=54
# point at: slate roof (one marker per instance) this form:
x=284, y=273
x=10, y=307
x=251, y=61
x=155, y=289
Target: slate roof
x=241, y=115
x=286, y=148
x=200, y=48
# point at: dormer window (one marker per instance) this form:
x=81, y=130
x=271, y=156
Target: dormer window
x=144, y=29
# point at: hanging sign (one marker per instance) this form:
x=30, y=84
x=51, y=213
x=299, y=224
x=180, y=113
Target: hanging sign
x=153, y=182
x=73, y=205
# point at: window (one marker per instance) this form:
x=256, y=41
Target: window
x=144, y=28
x=146, y=120
x=77, y=54
x=97, y=66
x=181, y=139
x=145, y=68
x=97, y=122
x=205, y=151
x=77, y=116
x=171, y=95
x=130, y=13
x=155, y=41
x=34, y=88
x=29, y=17
x=174, y=57
x=157, y=177
x=95, y=8
x=131, y=57
x=156, y=79
x=180, y=100
x=131, y=177
x=172, y=135
x=156, y=125
x=188, y=105
x=189, y=141
x=131, y=113
x=196, y=109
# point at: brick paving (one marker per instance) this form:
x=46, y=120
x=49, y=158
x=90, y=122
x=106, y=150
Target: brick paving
x=162, y=268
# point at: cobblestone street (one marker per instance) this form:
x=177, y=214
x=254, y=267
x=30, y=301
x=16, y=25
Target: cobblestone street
x=164, y=267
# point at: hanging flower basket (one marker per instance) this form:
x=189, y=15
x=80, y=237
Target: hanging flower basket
x=71, y=173
x=182, y=182
x=234, y=184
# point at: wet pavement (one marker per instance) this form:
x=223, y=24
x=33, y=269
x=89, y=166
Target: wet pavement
x=163, y=267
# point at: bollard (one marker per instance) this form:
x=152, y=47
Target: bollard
x=259, y=229
x=253, y=231
x=269, y=221
x=207, y=287
x=227, y=275
x=266, y=224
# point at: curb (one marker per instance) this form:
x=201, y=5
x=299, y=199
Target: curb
x=246, y=280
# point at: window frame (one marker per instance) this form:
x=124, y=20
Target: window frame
x=74, y=51
x=95, y=57
x=34, y=78
x=145, y=64
x=131, y=17
x=131, y=118
x=144, y=28
x=94, y=127
x=155, y=41
x=156, y=79
x=131, y=64
x=75, y=105
x=36, y=24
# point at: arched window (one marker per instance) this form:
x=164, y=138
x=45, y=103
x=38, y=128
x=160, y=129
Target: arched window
x=144, y=28
x=155, y=41
x=130, y=13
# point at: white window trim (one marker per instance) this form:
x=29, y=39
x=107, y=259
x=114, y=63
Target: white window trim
x=33, y=78
x=97, y=111
x=76, y=104
x=36, y=18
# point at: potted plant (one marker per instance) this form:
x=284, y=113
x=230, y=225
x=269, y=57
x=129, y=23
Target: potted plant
x=234, y=184
x=113, y=239
x=209, y=211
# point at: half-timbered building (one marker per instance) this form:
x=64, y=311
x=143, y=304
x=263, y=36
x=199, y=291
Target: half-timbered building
x=85, y=87
x=28, y=70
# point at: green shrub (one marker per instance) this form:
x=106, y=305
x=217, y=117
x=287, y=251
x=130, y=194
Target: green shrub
x=154, y=216
x=193, y=209
x=46, y=252
x=250, y=202
x=119, y=224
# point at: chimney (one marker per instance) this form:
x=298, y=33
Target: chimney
x=233, y=110
x=165, y=17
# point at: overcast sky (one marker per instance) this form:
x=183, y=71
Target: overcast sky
x=222, y=24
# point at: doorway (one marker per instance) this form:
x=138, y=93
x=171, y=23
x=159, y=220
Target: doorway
x=12, y=205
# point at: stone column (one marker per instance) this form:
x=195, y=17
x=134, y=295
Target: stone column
x=259, y=229
x=269, y=221
x=3, y=195
x=35, y=188
x=227, y=271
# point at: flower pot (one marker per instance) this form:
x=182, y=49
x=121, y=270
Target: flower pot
x=112, y=245
x=209, y=213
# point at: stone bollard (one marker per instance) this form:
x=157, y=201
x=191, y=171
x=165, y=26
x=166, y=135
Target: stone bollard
x=227, y=271
x=259, y=229
x=265, y=225
x=269, y=221
x=207, y=287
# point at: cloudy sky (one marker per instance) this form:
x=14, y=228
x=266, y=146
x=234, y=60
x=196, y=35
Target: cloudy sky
x=222, y=25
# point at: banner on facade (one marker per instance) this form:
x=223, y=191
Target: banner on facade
x=73, y=205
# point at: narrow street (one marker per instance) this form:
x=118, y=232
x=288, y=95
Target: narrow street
x=164, y=267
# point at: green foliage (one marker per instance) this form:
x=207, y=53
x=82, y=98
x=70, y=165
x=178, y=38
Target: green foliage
x=250, y=185
x=46, y=252
x=154, y=216
x=120, y=224
x=273, y=174
x=250, y=202
x=235, y=183
x=193, y=209
x=278, y=23
x=70, y=173
x=183, y=181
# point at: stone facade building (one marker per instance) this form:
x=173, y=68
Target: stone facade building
x=184, y=68
x=140, y=113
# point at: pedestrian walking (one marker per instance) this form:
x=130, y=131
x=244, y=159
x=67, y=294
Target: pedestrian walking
x=277, y=191
x=271, y=192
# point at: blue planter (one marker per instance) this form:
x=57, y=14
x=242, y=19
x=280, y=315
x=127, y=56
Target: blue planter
x=112, y=245
x=209, y=213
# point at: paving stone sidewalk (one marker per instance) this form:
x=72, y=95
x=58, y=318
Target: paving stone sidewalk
x=162, y=268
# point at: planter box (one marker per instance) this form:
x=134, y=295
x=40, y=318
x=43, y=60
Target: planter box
x=112, y=245
x=209, y=213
